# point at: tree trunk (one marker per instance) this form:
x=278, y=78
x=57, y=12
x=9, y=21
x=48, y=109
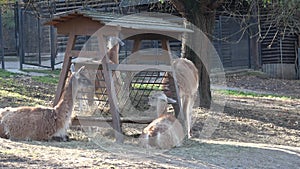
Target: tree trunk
x=200, y=13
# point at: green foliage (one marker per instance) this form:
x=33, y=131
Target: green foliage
x=21, y=90
x=46, y=79
x=51, y=77
x=147, y=86
x=6, y=74
x=49, y=72
x=17, y=99
x=10, y=85
x=8, y=19
x=250, y=94
x=7, y=1
x=16, y=93
x=7, y=14
x=266, y=1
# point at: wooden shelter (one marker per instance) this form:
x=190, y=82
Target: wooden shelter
x=144, y=26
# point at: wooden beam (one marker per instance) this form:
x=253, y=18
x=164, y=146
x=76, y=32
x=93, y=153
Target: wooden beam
x=89, y=54
x=177, y=106
x=136, y=67
x=111, y=92
x=90, y=65
x=65, y=68
x=96, y=121
x=136, y=45
x=150, y=36
x=78, y=26
x=166, y=46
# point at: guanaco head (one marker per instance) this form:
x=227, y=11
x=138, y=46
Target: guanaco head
x=159, y=100
x=113, y=41
x=79, y=80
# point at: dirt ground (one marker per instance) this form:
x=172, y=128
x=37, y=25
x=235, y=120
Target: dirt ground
x=251, y=132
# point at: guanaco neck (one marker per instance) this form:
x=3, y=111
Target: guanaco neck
x=161, y=107
x=65, y=105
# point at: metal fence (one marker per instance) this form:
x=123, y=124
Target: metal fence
x=36, y=41
x=232, y=44
x=25, y=39
x=8, y=43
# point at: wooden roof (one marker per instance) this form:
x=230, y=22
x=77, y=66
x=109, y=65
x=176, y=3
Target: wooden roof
x=140, y=21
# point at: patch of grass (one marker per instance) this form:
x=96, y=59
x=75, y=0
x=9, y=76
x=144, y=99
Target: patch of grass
x=46, y=79
x=250, y=94
x=19, y=99
x=257, y=74
x=10, y=85
x=6, y=74
x=49, y=72
x=52, y=76
x=22, y=90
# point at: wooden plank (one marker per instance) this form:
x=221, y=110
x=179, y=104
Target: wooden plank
x=136, y=45
x=135, y=68
x=88, y=54
x=149, y=36
x=90, y=65
x=149, y=59
x=140, y=22
x=143, y=23
x=79, y=26
x=65, y=69
x=128, y=32
x=111, y=92
x=157, y=28
x=96, y=121
x=128, y=67
x=166, y=46
x=134, y=19
x=177, y=106
x=285, y=71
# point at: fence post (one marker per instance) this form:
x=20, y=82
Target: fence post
x=52, y=38
x=298, y=67
x=1, y=41
x=39, y=40
x=19, y=34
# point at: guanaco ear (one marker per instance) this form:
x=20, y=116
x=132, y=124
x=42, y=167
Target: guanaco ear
x=78, y=73
x=121, y=42
x=72, y=68
x=170, y=100
x=81, y=69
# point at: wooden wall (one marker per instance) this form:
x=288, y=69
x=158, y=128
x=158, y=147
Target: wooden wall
x=278, y=49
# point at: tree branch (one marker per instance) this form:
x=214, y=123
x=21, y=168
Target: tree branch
x=179, y=5
x=214, y=4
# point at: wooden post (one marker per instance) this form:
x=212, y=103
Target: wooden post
x=111, y=92
x=39, y=40
x=166, y=46
x=177, y=106
x=52, y=38
x=1, y=41
x=298, y=57
x=136, y=45
x=65, y=68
